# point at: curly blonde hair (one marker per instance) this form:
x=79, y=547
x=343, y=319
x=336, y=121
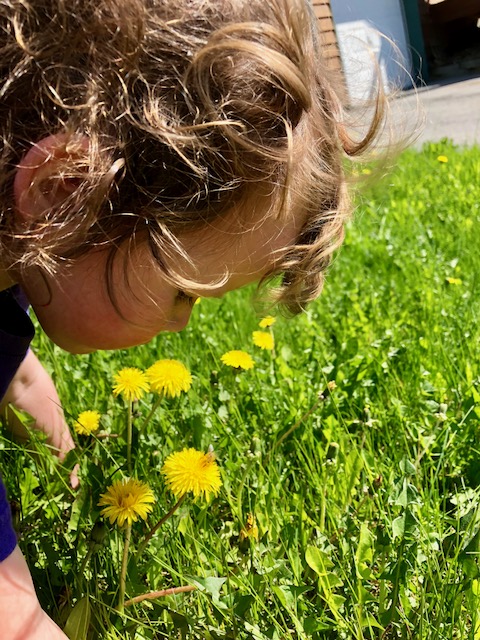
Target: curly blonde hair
x=190, y=107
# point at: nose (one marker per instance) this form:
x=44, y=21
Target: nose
x=182, y=319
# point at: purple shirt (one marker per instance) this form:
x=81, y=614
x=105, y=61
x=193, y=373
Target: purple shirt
x=16, y=333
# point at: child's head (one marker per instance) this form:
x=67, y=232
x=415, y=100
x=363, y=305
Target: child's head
x=168, y=133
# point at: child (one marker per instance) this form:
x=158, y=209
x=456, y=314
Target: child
x=153, y=151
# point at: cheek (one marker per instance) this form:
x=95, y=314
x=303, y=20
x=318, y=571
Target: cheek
x=82, y=324
x=77, y=313
x=81, y=317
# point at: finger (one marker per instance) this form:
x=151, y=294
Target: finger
x=74, y=479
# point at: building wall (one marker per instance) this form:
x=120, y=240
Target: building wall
x=373, y=44
x=323, y=11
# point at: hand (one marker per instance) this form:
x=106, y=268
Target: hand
x=32, y=390
x=20, y=612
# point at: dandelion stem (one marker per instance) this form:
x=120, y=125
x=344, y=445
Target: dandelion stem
x=154, y=529
x=87, y=557
x=129, y=437
x=152, y=411
x=123, y=573
x=160, y=594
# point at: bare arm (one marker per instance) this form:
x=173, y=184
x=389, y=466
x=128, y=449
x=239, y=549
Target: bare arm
x=20, y=612
x=32, y=390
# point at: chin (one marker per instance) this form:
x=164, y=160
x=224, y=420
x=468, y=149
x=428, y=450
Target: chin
x=71, y=346
x=74, y=349
x=81, y=349
x=102, y=343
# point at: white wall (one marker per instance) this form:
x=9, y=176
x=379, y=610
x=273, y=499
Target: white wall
x=360, y=27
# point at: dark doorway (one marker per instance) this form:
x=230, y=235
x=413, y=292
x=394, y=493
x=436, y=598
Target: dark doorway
x=452, y=36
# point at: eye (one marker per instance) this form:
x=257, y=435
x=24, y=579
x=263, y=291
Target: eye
x=183, y=297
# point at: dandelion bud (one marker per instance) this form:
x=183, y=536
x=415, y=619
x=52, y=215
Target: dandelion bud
x=98, y=533
x=332, y=451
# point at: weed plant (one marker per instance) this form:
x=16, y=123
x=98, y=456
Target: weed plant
x=349, y=453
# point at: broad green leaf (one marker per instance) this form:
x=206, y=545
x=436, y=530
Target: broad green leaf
x=407, y=495
x=370, y=621
x=335, y=602
x=398, y=527
x=211, y=585
x=475, y=587
x=407, y=467
x=78, y=621
x=184, y=523
x=404, y=524
x=78, y=510
x=318, y=560
x=28, y=483
x=288, y=594
x=312, y=624
x=327, y=580
x=331, y=581
x=364, y=554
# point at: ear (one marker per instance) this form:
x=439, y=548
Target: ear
x=35, y=189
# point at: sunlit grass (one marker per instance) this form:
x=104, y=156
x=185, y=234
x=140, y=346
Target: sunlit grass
x=365, y=492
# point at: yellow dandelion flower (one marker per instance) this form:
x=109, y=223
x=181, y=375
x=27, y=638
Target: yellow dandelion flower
x=131, y=383
x=442, y=159
x=169, y=377
x=192, y=471
x=238, y=359
x=456, y=281
x=263, y=339
x=126, y=501
x=250, y=530
x=266, y=322
x=87, y=422
x=367, y=171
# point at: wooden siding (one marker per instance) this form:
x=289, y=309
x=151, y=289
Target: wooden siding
x=327, y=33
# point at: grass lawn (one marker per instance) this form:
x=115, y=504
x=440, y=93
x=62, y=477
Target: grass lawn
x=349, y=454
